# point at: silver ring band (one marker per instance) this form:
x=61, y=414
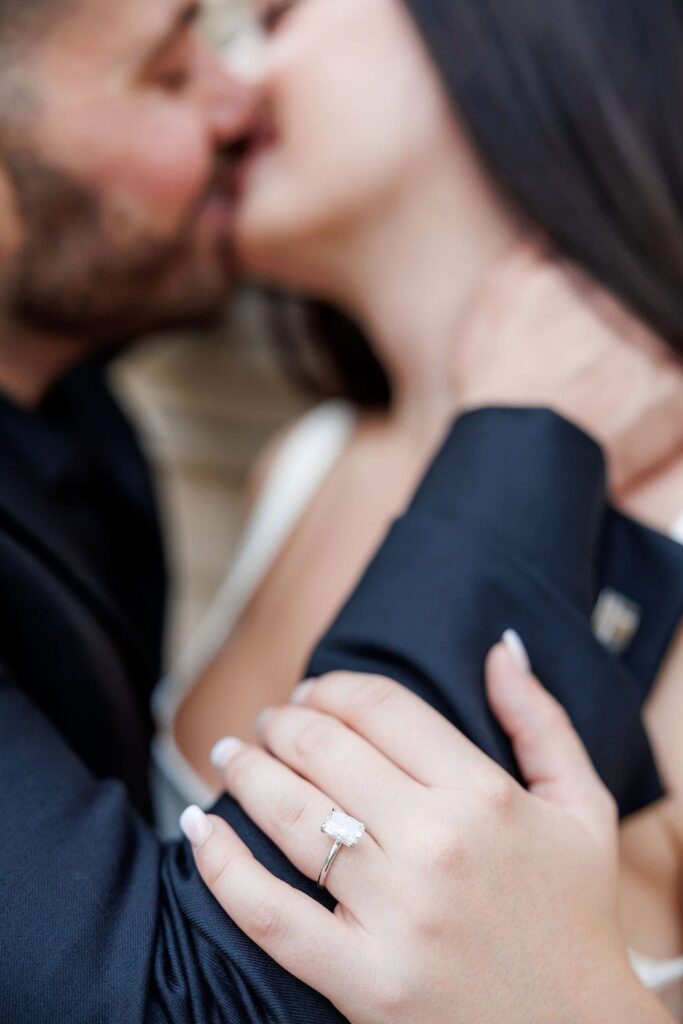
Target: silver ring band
x=329, y=861
x=346, y=831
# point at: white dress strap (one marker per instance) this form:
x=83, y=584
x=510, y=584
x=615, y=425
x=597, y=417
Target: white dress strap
x=305, y=459
x=307, y=455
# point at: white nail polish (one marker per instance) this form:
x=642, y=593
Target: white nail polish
x=516, y=649
x=301, y=692
x=224, y=751
x=195, y=825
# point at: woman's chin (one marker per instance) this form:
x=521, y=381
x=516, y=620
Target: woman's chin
x=256, y=250
x=270, y=250
x=282, y=237
x=262, y=215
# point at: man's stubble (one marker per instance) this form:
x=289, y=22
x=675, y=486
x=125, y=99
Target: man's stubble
x=86, y=268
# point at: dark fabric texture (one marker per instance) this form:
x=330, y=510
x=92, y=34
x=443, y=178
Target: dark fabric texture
x=80, y=543
x=525, y=540
x=99, y=922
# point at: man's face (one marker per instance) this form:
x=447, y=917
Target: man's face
x=115, y=139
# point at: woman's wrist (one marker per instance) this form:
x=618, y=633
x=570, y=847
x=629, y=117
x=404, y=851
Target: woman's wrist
x=597, y=987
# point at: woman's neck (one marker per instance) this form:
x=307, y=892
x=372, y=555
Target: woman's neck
x=408, y=276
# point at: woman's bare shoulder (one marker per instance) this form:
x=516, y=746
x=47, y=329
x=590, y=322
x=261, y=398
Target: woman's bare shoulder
x=325, y=429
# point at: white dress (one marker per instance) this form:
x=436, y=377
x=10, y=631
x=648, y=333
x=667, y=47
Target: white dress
x=307, y=456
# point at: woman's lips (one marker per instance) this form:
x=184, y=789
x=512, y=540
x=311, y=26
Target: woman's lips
x=262, y=137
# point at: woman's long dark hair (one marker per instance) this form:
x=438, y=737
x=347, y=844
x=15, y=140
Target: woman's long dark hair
x=576, y=106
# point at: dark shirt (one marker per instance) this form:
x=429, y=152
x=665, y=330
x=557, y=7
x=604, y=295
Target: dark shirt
x=75, y=474
x=87, y=459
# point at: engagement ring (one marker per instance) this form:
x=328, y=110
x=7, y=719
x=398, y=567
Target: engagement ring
x=346, y=831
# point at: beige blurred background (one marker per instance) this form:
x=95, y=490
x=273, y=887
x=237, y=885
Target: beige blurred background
x=205, y=407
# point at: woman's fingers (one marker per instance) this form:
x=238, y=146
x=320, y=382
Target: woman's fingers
x=401, y=725
x=356, y=776
x=291, y=811
x=300, y=934
x=550, y=754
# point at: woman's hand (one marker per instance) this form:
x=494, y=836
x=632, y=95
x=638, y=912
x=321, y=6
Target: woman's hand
x=468, y=898
x=539, y=333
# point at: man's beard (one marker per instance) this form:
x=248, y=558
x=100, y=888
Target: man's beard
x=85, y=270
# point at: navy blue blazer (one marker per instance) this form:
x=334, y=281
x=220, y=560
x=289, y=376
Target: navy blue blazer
x=102, y=923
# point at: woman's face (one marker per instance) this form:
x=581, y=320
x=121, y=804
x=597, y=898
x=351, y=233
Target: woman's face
x=354, y=113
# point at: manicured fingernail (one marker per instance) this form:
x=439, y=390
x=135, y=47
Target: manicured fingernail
x=224, y=751
x=517, y=650
x=301, y=692
x=263, y=719
x=195, y=825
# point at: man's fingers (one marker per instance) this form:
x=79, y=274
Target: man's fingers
x=401, y=725
x=300, y=934
x=550, y=754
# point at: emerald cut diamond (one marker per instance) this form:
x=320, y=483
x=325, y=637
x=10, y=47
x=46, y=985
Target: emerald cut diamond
x=342, y=827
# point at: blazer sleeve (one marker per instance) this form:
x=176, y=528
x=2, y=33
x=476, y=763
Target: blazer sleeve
x=100, y=922
x=508, y=529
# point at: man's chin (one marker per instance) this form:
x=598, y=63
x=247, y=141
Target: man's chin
x=172, y=307
x=216, y=218
x=197, y=312
x=195, y=293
